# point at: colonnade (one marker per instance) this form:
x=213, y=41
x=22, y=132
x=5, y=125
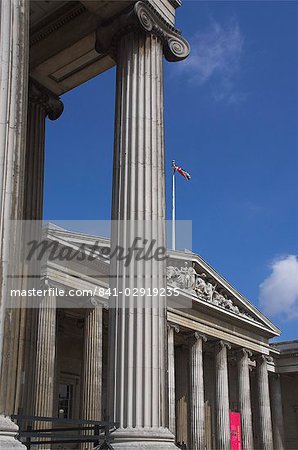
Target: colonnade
x=246, y=362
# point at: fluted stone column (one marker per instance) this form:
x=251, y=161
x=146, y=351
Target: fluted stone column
x=222, y=396
x=41, y=104
x=45, y=356
x=197, y=403
x=138, y=398
x=14, y=50
x=277, y=412
x=266, y=438
x=92, y=367
x=244, y=399
x=171, y=377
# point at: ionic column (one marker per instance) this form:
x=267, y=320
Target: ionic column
x=277, y=412
x=14, y=51
x=266, y=439
x=171, y=377
x=138, y=397
x=244, y=399
x=197, y=404
x=41, y=104
x=45, y=356
x=92, y=367
x=14, y=48
x=222, y=396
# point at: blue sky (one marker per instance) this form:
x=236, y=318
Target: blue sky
x=231, y=121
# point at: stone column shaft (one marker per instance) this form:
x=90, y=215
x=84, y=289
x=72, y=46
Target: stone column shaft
x=277, y=413
x=244, y=399
x=222, y=396
x=14, y=48
x=92, y=368
x=197, y=404
x=266, y=438
x=138, y=329
x=92, y=365
x=171, y=379
x=42, y=104
x=14, y=51
x=45, y=357
x=138, y=399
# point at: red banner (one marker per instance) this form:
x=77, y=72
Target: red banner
x=235, y=428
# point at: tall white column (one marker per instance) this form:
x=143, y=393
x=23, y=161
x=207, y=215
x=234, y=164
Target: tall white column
x=45, y=357
x=266, y=437
x=138, y=330
x=138, y=399
x=222, y=396
x=92, y=367
x=14, y=50
x=171, y=377
x=244, y=399
x=197, y=403
x=277, y=412
x=41, y=104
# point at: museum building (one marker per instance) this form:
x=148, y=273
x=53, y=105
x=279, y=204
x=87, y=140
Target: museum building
x=180, y=373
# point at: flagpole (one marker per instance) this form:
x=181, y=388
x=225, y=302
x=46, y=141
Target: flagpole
x=173, y=208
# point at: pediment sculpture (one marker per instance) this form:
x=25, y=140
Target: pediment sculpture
x=186, y=278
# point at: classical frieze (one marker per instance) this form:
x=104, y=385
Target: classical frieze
x=186, y=278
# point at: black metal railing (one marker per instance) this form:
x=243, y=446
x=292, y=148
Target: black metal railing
x=33, y=431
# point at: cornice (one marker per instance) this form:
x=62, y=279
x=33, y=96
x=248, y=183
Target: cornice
x=57, y=23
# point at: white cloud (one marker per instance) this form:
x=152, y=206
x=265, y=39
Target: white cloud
x=279, y=291
x=215, y=56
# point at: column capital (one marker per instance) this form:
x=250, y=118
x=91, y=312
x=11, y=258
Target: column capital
x=263, y=358
x=174, y=327
x=142, y=17
x=52, y=104
x=200, y=336
x=243, y=352
x=45, y=282
x=222, y=344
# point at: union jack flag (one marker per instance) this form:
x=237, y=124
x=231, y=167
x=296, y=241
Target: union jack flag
x=182, y=172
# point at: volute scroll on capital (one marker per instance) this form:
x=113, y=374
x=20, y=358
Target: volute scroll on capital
x=145, y=18
x=174, y=327
x=244, y=352
x=200, y=336
x=223, y=344
x=261, y=358
x=51, y=103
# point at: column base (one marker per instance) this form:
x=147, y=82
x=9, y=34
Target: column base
x=8, y=435
x=143, y=438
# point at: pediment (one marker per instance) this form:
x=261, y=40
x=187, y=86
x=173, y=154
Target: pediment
x=195, y=278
